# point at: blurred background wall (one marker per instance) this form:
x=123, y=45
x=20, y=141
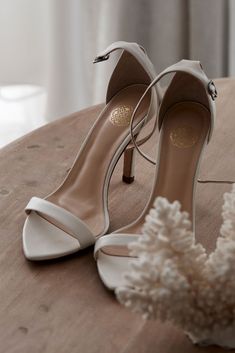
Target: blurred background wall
x=52, y=43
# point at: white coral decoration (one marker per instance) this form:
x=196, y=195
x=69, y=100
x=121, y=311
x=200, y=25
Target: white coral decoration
x=172, y=278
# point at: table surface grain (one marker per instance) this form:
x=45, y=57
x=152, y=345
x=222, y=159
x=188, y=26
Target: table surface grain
x=61, y=306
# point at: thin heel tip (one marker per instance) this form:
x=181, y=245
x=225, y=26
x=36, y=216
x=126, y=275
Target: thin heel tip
x=128, y=180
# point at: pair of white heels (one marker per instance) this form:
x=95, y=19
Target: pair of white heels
x=75, y=215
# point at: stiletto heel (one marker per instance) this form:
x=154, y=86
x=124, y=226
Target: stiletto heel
x=129, y=165
x=76, y=213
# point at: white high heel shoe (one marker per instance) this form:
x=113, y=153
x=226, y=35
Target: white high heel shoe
x=185, y=119
x=76, y=213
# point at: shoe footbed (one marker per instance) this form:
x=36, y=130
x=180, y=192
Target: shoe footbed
x=82, y=191
x=183, y=134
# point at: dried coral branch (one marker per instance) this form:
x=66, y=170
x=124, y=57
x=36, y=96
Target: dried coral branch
x=172, y=278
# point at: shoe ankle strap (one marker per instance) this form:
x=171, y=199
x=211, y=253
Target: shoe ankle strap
x=136, y=50
x=191, y=68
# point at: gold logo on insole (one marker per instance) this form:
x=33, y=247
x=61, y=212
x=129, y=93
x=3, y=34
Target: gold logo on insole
x=121, y=116
x=183, y=137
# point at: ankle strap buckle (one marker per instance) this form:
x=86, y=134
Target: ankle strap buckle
x=100, y=58
x=212, y=90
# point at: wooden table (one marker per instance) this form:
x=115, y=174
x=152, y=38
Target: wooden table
x=62, y=306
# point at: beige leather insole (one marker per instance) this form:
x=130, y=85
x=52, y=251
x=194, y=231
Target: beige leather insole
x=82, y=191
x=183, y=134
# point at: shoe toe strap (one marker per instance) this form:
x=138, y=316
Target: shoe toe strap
x=75, y=226
x=114, y=239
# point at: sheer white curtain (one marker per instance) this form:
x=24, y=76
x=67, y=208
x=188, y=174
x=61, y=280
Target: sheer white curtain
x=53, y=42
